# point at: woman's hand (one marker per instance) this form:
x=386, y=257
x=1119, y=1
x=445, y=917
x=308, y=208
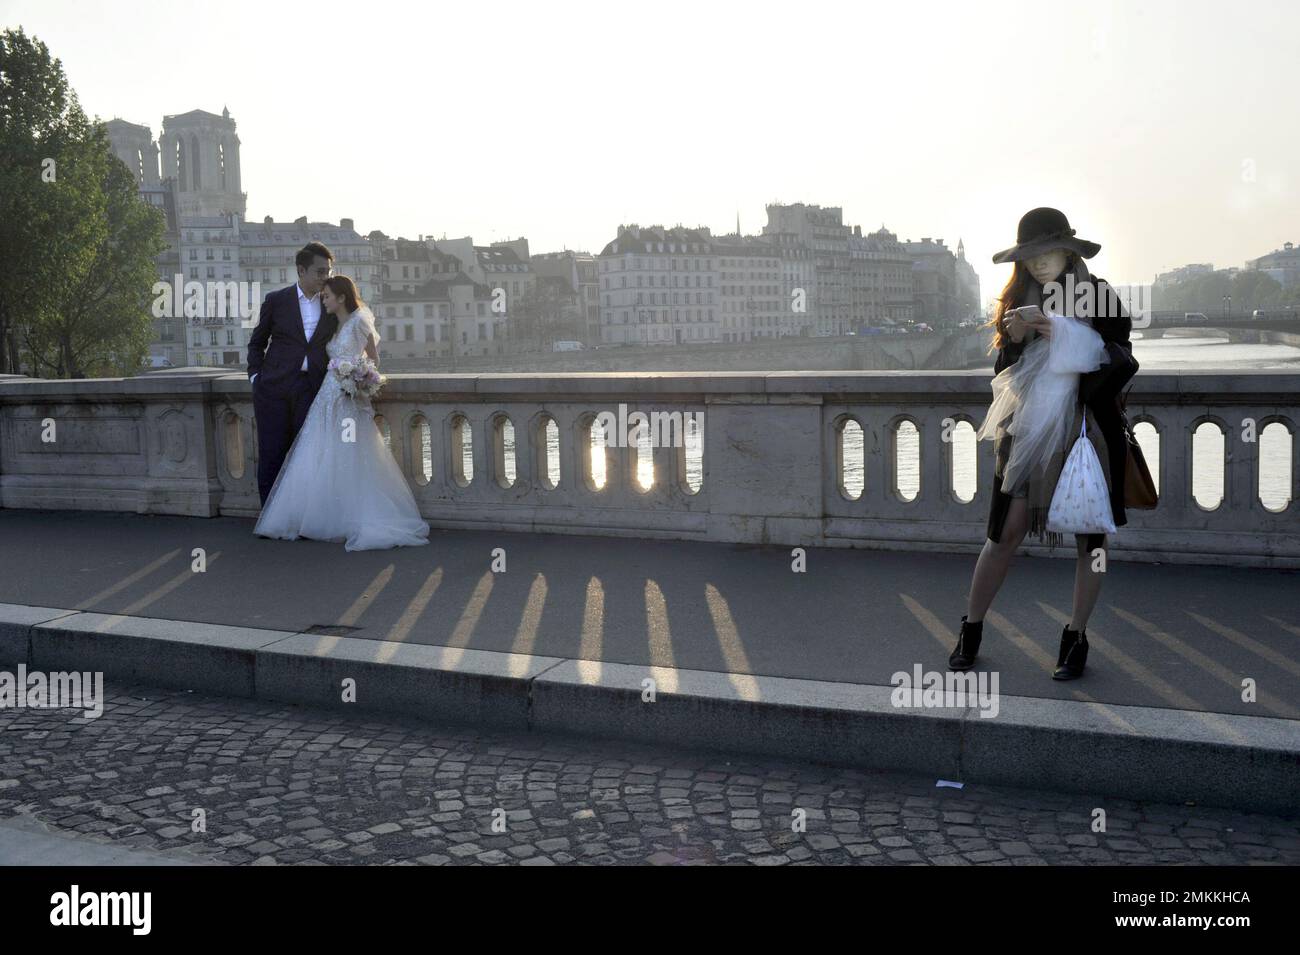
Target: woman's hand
x=1015, y=327
x=1041, y=324
x=1027, y=318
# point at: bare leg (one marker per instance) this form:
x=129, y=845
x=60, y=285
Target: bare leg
x=1087, y=583
x=994, y=559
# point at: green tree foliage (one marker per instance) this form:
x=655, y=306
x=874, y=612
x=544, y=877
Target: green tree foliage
x=77, y=243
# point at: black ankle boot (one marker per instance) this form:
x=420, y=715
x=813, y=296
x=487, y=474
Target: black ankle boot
x=968, y=645
x=1073, y=654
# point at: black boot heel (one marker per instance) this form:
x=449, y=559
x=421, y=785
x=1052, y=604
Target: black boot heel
x=1073, y=655
x=968, y=645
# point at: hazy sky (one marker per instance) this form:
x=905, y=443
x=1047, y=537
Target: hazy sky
x=1167, y=131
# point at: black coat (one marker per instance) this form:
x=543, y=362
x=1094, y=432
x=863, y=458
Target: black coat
x=278, y=344
x=1099, y=390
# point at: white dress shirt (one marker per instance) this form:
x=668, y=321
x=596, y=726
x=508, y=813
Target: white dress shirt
x=310, y=310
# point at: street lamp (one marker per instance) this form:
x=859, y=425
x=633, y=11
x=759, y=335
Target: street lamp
x=1227, y=306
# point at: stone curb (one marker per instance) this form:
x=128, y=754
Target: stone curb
x=1247, y=763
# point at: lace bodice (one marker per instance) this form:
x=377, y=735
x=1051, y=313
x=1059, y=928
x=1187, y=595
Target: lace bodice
x=350, y=340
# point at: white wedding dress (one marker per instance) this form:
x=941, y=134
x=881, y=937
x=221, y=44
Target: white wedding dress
x=339, y=481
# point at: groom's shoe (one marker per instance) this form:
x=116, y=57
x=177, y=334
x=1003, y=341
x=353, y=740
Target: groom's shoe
x=1073, y=654
x=968, y=645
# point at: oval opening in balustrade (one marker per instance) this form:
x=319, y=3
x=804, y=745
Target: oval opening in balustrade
x=1148, y=439
x=503, y=451
x=385, y=431
x=233, y=432
x=1207, y=465
x=850, y=458
x=546, y=439
x=690, y=456
x=963, y=474
x=1275, y=466
x=593, y=440
x=421, y=449
x=645, y=459
x=907, y=460
x=462, y=451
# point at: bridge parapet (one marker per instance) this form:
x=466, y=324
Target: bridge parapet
x=780, y=460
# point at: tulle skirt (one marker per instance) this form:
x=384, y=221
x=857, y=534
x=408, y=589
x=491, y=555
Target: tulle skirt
x=340, y=482
x=1034, y=400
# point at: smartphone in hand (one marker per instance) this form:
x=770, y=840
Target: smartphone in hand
x=1029, y=313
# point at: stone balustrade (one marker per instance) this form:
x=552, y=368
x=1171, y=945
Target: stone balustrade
x=770, y=468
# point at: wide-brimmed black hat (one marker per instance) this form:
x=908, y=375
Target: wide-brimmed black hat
x=1042, y=230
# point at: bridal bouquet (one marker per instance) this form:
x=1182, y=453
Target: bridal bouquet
x=358, y=376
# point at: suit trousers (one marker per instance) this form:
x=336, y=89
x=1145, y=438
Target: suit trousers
x=280, y=414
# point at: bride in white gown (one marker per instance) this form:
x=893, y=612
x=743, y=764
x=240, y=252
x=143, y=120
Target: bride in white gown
x=339, y=481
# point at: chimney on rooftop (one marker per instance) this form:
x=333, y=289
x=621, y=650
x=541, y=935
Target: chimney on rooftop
x=346, y=224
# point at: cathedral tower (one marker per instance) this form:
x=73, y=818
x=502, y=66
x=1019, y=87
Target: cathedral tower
x=200, y=152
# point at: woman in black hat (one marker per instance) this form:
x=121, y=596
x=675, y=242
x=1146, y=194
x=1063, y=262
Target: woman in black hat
x=1049, y=271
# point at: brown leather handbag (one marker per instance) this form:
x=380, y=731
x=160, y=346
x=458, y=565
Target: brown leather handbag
x=1139, y=490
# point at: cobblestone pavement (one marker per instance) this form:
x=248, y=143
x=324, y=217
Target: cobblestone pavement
x=281, y=785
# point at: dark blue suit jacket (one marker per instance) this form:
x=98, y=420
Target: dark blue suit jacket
x=278, y=344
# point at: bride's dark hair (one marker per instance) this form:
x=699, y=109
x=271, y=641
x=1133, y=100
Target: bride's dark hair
x=346, y=289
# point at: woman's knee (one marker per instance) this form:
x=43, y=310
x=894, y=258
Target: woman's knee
x=1009, y=540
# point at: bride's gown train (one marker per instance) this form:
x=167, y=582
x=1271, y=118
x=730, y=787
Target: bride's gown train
x=339, y=481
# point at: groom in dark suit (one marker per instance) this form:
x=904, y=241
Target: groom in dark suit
x=287, y=360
